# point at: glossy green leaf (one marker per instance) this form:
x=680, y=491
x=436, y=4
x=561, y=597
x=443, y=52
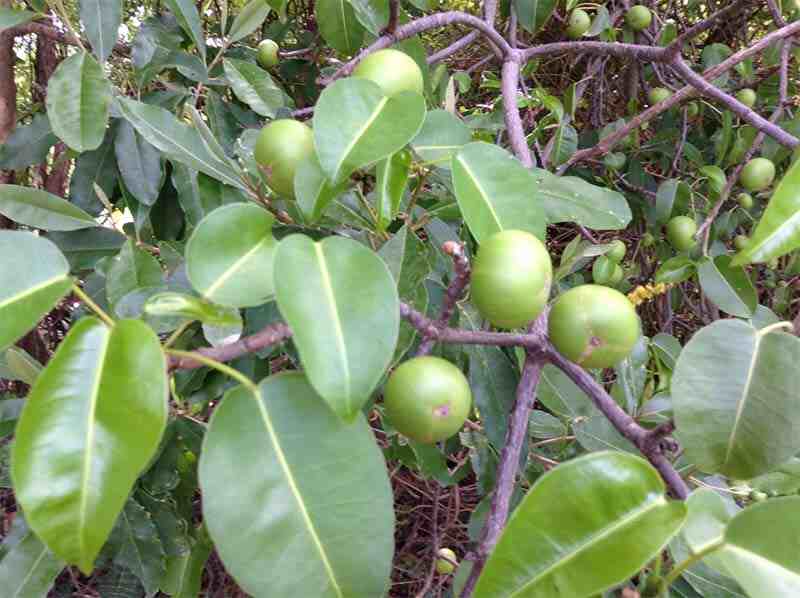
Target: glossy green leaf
x=28, y=144
x=341, y=302
x=493, y=381
x=280, y=526
x=27, y=567
x=11, y=17
x=249, y=19
x=372, y=14
x=184, y=575
x=338, y=25
x=101, y=20
x=778, y=231
x=40, y=209
x=139, y=164
x=169, y=304
x=584, y=526
x=312, y=189
x=229, y=256
x=495, y=192
x=673, y=195
x=729, y=288
x=22, y=365
x=188, y=17
x=356, y=125
x=84, y=248
x=178, y=141
x=562, y=396
x=92, y=422
x=676, y=269
x=78, y=102
x=391, y=183
x=131, y=269
x=253, y=86
x=441, y=136
x=33, y=277
x=95, y=173
x=534, y=14
x=736, y=400
x=563, y=144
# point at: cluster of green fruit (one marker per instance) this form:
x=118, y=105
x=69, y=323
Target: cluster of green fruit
x=638, y=18
x=285, y=143
x=606, y=269
x=428, y=399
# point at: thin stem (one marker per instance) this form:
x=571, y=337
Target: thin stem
x=214, y=364
x=92, y=305
x=516, y=132
x=676, y=572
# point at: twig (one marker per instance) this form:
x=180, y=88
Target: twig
x=394, y=11
x=516, y=133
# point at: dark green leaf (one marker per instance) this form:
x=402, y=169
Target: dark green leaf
x=101, y=20
x=40, y=209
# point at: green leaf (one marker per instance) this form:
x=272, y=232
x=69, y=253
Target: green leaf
x=137, y=546
x=79, y=101
x=676, y=269
x=186, y=13
x=356, y=125
x=495, y=192
x=92, y=422
x=534, y=14
x=391, y=183
x=317, y=546
x=139, y=164
x=168, y=304
x=673, y=195
x=493, y=380
x=248, y=20
x=441, y=136
x=736, y=400
x=85, y=248
x=585, y=526
x=372, y=14
x=562, y=396
x=341, y=302
x=729, y=288
x=178, y=141
x=11, y=17
x=95, y=170
x=28, y=568
x=28, y=144
x=101, y=20
x=253, y=86
x=778, y=231
x=564, y=143
x=229, y=256
x=313, y=190
x=338, y=25
x=40, y=209
x=133, y=268
x=22, y=365
x=33, y=277
x=184, y=574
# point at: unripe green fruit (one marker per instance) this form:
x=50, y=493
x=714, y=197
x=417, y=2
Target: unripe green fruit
x=511, y=278
x=445, y=561
x=282, y=145
x=427, y=399
x=593, y=326
x=747, y=97
x=579, y=23
x=617, y=252
x=757, y=174
x=268, y=53
x=603, y=270
x=692, y=109
x=680, y=233
x=616, y=276
x=638, y=17
x=745, y=200
x=394, y=72
x=740, y=242
x=758, y=496
x=658, y=95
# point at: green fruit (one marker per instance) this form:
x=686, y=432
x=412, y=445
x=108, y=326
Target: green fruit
x=740, y=242
x=268, y=53
x=579, y=23
x=594, y=326
x=445, y=561
x=282, y=145
x=747, y=97
x=745, y=200
x=603, y=270
x=692, y=109
x=757, y=174
x=616, y=276
x=758, y=496
x=638, y=17
x=427, y=399
x=392, y=70
x=648, y=240
x=511, y=278
x=615, y=160
x=658, y=95
x=617, y=252
x=680, y=233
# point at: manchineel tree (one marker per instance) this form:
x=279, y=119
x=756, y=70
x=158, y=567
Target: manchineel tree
x=255, y=223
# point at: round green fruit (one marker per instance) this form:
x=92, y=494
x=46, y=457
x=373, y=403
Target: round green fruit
x=680, y=233
x=658, y=95
x=268, y=53
x=392, y=70
x=427, y=399
x=603, y=270
x=593, y=326
x=692, y=109
x=445, y=561
x=282, y=145
x=639, y=17
x=747, y=97
x=616, y=276
x=617, y=252
x=579, y=23
x=757, y=174
x=745, y=200
x=740, y=242
x=511, y=278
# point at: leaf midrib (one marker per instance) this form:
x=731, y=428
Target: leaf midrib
x=743, y=401
x=358, y=136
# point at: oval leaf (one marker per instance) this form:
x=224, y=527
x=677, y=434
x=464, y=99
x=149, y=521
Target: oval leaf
x=736, y=399
x=559, y=541
x=254, y=87
x=78, y=102
x=229, y=256
x=101, y=20
x=28, y=568
x=442, y=135
x=391, y=182
x=33, y=278
x=186, y=13
x=339, y=26
x=40, y=209
x=729, y=288
x=356, y=125
x=318, y=545
x=495, y=191
x=248, y=20
x=341, y=302
x=92, y=422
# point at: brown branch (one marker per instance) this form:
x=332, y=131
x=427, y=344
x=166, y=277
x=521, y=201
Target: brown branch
x=675, y=47
x=514, y=128
x=394, y=12
x=271, y=335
